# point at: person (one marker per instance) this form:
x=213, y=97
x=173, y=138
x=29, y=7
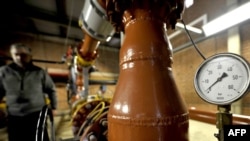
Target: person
x=24, y=87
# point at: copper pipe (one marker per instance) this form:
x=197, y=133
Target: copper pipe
x=95, y=27
x=203, y=116
x=5, y=58
x=102, y=3
x=210, y=117
x=146, y=104
x=88, y=47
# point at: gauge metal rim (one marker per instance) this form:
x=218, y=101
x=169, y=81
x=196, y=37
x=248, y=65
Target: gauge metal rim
x=234, y=56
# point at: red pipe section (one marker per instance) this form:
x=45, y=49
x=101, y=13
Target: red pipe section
x=210, y=117
x=90, y=22
x=87, y=48
x=102, y=3
x=146, y=105
x=86, y=54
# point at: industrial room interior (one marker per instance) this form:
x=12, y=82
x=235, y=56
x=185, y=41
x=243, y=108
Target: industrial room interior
x=54, y=29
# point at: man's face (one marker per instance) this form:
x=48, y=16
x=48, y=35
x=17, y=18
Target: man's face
x=21, y=56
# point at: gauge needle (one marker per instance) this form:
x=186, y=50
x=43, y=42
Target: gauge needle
x=218, y=80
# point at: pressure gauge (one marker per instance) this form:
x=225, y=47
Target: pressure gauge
x=222, y=78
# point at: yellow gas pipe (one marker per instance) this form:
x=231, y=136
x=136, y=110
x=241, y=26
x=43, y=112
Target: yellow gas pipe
x=96, y=29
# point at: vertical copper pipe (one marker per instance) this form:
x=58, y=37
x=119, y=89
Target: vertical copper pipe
x=95, y=26
x=86, y=55
x=79, y=80
x=146, y=105
x=88, y=48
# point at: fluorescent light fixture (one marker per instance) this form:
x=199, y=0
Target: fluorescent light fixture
x=189, y=3
x=190, y=28
x=227, y=20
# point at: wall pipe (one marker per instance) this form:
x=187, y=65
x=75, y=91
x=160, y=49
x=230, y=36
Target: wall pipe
x=35, y=60
x=210, y=117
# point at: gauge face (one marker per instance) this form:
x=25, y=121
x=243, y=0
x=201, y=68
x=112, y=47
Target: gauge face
x=222, y=78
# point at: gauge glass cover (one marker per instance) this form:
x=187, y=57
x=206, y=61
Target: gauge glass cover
x=222, y=78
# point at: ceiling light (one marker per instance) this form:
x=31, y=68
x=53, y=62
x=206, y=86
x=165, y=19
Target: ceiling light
x=227, y=20
x=190, y=28
x=189, y=3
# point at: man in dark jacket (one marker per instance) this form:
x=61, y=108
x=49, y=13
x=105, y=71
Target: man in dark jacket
x=24, y=86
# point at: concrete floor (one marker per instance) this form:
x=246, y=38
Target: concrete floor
x=62, y=126
x=198, y=131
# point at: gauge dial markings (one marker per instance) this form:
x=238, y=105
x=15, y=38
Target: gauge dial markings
x=222, y=78
x=218, y=80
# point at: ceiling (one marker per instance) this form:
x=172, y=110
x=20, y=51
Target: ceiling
x=51, y=18
x=59, y=18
